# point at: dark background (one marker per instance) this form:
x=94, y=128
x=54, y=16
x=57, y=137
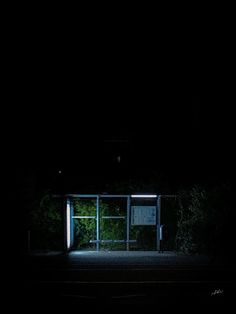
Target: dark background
x=75, y=89
x=158, y=95
x=182, y=134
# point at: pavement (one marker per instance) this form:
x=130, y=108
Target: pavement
x=137, y=278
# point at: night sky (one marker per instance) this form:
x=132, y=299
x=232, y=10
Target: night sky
x=87, y=144
x=113, y=107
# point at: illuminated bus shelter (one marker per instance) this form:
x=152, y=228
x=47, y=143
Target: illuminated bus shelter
x=122, y=221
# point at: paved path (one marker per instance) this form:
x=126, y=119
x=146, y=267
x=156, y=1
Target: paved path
x=126, y=278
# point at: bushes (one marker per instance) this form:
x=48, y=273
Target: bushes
x=204, y=220
x=191, y=220
x=110, y=229
x=46, y=223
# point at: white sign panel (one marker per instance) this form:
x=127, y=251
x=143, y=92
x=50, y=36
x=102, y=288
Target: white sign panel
x=143, y=215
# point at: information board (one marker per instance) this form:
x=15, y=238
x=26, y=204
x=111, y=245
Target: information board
x=143, y=215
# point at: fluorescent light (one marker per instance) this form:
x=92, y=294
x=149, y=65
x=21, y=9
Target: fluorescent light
x=68, y=224
x=143, y=196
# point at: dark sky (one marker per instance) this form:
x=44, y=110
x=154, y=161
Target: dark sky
x=168, y=100
x=185, y=143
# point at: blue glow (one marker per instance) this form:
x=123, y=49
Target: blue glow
x=144, y=196
x=68, y=241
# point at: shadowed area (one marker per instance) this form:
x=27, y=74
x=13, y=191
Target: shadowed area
x=127, y=278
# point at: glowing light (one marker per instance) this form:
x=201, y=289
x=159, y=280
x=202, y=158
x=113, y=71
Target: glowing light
x=143, y=196
x=68, y=224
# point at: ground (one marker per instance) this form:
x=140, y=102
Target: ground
x=126, y=278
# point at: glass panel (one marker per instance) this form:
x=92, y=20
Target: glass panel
x=169, y=210
x=145, y=237
x=84, y=233
x=84, y=228
x=113, y=207
x=84, y=207
x=113, y=229
x=113, y=213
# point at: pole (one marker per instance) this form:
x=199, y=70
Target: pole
x=128, y=223
x=158, y=222
x=65, y=201
x=97, y=225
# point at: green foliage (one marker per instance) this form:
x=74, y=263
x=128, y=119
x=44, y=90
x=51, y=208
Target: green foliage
x=110, y=229
x=46, y=223
x=204, y=220
x=84, y=229
x=113, y=229
x=191, y=220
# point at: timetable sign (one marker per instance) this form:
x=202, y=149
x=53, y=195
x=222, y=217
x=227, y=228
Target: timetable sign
x=143, y=215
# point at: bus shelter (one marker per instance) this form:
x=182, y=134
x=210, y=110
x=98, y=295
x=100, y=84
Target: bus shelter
x=122, y=222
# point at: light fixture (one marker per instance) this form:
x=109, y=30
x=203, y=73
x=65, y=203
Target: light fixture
x=68, y=224
x=144, y=196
